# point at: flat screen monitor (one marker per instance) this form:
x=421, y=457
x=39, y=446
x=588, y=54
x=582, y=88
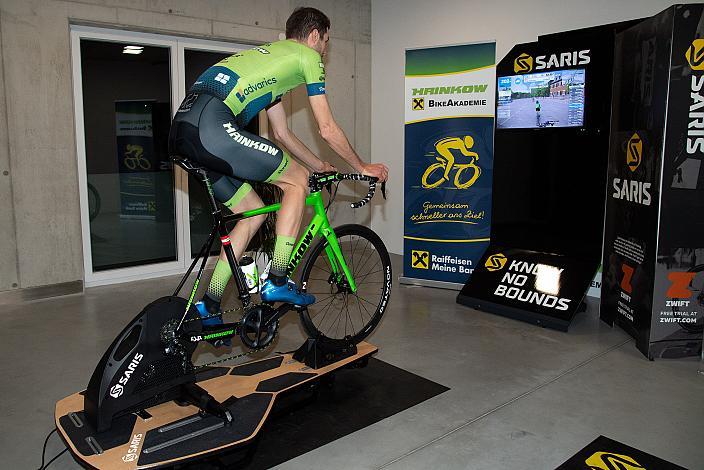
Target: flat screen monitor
x=541, y=100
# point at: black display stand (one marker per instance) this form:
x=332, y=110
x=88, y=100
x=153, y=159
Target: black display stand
x=654, y=234
x=548, y=193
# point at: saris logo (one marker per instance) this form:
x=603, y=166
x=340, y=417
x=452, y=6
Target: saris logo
x=466, y=174
x=495, y=262
x=695, y=54
x=611, y=461
x=634, y=152
x=633, y=190
x=695, y=57
x=523, y=63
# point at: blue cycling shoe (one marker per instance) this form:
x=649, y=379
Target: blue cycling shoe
x=203, y=312
x=287, y=292
x=213, y=321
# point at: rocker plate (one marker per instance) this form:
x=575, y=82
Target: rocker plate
x=168, y=433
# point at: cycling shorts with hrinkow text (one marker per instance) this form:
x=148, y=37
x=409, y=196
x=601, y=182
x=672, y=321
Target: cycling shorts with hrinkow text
x=204, y=130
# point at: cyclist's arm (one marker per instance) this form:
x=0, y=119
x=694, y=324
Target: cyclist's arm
x=331, y=132
x=279, y=127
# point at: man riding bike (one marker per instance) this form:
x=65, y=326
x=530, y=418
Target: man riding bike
x=208, y=129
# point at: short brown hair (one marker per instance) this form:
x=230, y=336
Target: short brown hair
x=303, y=20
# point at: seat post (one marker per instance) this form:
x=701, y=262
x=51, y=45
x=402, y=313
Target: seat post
x=209, y=187
x=240, y=282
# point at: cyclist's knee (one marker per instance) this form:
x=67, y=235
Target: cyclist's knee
x=250, y=202
x=295, y=178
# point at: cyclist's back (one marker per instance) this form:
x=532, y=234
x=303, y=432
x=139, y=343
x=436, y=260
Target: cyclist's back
x=250, y=80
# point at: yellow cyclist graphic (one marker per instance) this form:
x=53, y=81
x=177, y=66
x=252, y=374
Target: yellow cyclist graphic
x=134, y=158
x=446, y=163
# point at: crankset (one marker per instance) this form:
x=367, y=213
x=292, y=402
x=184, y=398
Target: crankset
x=258, y=326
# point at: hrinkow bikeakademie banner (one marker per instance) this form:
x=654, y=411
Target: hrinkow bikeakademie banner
x=136, y=158
x=449, y=146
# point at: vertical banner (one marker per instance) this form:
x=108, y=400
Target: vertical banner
x=136, y=158
x=449, y=151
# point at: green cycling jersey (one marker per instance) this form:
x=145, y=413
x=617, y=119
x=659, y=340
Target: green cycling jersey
x=251, y=80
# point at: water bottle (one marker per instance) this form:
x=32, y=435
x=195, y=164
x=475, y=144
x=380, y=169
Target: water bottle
x=251, y=277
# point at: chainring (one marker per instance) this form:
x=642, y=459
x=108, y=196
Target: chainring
x=254, y=333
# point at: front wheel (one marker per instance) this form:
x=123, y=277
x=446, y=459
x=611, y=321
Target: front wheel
x=338, y=312
x=429, y=171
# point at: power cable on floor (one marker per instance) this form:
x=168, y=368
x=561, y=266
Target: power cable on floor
x=46, y=441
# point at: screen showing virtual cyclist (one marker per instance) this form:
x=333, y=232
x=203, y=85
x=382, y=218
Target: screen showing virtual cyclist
x=208, y=129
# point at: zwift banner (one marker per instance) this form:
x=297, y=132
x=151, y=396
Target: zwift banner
x=449, y=149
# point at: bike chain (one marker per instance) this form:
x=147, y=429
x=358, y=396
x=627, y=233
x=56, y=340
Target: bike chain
x=232, y=356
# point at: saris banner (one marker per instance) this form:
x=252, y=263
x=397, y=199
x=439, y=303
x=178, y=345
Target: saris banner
x=449, y=150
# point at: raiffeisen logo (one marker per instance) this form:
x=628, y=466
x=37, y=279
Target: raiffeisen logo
x=495, y=262
x=695, y=54
x=524, y=63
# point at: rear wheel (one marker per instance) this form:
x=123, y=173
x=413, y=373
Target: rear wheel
x=338, y=312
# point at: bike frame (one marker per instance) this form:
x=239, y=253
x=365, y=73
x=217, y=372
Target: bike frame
x=319, y=225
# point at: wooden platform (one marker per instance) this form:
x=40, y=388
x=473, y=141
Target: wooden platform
x=168, y=433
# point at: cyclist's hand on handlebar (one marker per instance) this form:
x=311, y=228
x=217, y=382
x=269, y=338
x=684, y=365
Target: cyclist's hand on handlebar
x=325, y=167
x=377, y=170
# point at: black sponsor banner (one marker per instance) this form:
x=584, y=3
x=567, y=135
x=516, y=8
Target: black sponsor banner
x=677, y=319
x=606, y=454
x=541, y=288
x=654, y=232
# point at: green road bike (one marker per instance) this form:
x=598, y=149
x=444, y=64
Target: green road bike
x=150, y=361
x=348, y=270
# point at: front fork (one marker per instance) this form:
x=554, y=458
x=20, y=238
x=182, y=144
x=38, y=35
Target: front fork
x=337, y=260
x=320, y=223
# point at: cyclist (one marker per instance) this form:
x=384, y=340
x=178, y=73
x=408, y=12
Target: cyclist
x=208, y=128
x=445, y=146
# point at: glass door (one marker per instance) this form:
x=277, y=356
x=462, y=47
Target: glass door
x=136, y=218
x=127, y=113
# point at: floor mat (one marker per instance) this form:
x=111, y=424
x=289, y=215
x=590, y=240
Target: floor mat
x=606, y=454
x=308, y=419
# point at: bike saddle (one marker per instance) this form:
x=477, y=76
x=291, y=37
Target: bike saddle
x=187, y=164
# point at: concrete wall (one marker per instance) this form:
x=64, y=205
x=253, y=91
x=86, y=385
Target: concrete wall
x=40, y=235
x=399, y=24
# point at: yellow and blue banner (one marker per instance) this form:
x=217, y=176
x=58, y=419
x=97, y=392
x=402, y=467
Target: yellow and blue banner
x=137, y=161
x=449, y=150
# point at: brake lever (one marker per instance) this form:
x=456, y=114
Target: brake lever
x=383, y=189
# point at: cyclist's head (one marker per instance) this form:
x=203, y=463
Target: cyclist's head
x=309, y=26
x=468, y=141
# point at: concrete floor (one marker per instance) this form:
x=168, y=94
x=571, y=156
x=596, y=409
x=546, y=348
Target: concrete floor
x=521, y=397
